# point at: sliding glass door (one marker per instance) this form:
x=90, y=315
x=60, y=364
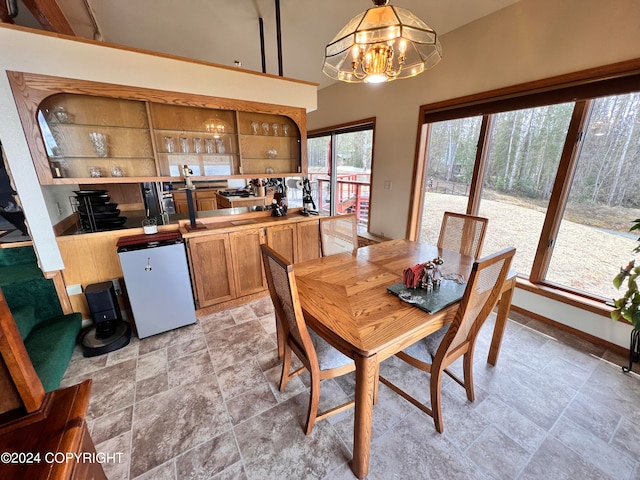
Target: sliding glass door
x=340, y=164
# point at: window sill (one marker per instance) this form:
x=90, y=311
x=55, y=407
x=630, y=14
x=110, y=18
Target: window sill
x=575, y=300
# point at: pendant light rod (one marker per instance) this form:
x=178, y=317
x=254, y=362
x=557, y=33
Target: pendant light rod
x=279, y=37
x=262, y=54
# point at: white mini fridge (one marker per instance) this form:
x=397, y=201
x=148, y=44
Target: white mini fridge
x=156, y=277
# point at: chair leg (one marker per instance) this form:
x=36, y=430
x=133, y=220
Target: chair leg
x=314, y=401
x=436, y=404
x=286, y=367
x=467, y=363
x=279, y=338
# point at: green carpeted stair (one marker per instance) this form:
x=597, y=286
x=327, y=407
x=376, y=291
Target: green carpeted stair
x=48, y=335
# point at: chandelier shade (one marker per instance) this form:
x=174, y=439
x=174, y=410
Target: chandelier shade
x=380, y=45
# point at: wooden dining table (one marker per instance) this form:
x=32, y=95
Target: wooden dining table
x=345, y=300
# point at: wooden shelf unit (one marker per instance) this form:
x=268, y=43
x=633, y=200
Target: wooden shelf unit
x=151, y=134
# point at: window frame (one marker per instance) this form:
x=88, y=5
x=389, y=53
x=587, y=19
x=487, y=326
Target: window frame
x=579, y=87
x=333, y=131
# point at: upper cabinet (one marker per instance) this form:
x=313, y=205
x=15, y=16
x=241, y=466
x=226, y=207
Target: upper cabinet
x=87, y=132
x=93, y=137
x=270, y=144
x=202, y=138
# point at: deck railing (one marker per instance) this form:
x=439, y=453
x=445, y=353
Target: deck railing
x=352, y=195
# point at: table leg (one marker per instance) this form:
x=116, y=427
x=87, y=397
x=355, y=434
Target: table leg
x=504, y=306
x=366, y=370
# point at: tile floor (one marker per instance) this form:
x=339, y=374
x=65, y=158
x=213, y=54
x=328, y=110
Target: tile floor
x=201, y=402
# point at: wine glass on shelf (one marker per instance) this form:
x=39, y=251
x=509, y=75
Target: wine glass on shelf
x=184, y=144
x=169, y=145
x=99, y=141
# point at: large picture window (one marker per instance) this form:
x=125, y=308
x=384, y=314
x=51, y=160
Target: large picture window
x=555, y=173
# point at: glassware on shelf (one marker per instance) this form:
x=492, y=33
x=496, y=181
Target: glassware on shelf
x=274, y=129
x=197, y=145
x=265, y=128
x=117, y=171
x=219, y=145
x=285, y=129
x=95, y=172
x=169, y=145
x=99, y=141
x=272, y=153
x=208, y=145
x=60, y=115
x=255, y=128
x=184, y=144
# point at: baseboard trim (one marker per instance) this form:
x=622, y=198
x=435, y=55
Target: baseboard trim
x=574, y=331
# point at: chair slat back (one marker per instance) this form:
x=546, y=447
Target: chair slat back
x=463, y=233
x=338, y=234
x=479, y=300
x=284, y=295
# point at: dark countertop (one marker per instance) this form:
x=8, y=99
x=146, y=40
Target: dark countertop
x=135, y=218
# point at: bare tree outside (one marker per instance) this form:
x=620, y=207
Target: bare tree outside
x=524, y=152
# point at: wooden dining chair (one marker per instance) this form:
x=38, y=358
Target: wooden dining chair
x=320, y=359
x=463, y=233
x=434, y=353
x=338, y=234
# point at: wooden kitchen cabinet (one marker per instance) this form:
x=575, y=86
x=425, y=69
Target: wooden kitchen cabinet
x=206, y=200
x=296, y=242
x=226, y=266
x=212, y=269
x=308, y=238
x=247, y=261
x=283, y=239
x=202, y=200
x=180, y=201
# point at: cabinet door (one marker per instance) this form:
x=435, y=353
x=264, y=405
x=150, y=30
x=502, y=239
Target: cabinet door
x=211, y=269
x=308, y=240
x=206, y=200
x=180, y=201
x=247, y=261
x=282, y=238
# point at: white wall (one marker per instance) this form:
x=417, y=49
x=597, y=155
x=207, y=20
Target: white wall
x=25, y=50
x=530, y=40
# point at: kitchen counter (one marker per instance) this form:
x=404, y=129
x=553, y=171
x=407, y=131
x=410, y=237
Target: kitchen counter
x=208, y=224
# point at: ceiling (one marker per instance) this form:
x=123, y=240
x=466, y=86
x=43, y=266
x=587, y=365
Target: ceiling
x=225, y=31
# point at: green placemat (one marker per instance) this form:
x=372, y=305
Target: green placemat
x=447, y=293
